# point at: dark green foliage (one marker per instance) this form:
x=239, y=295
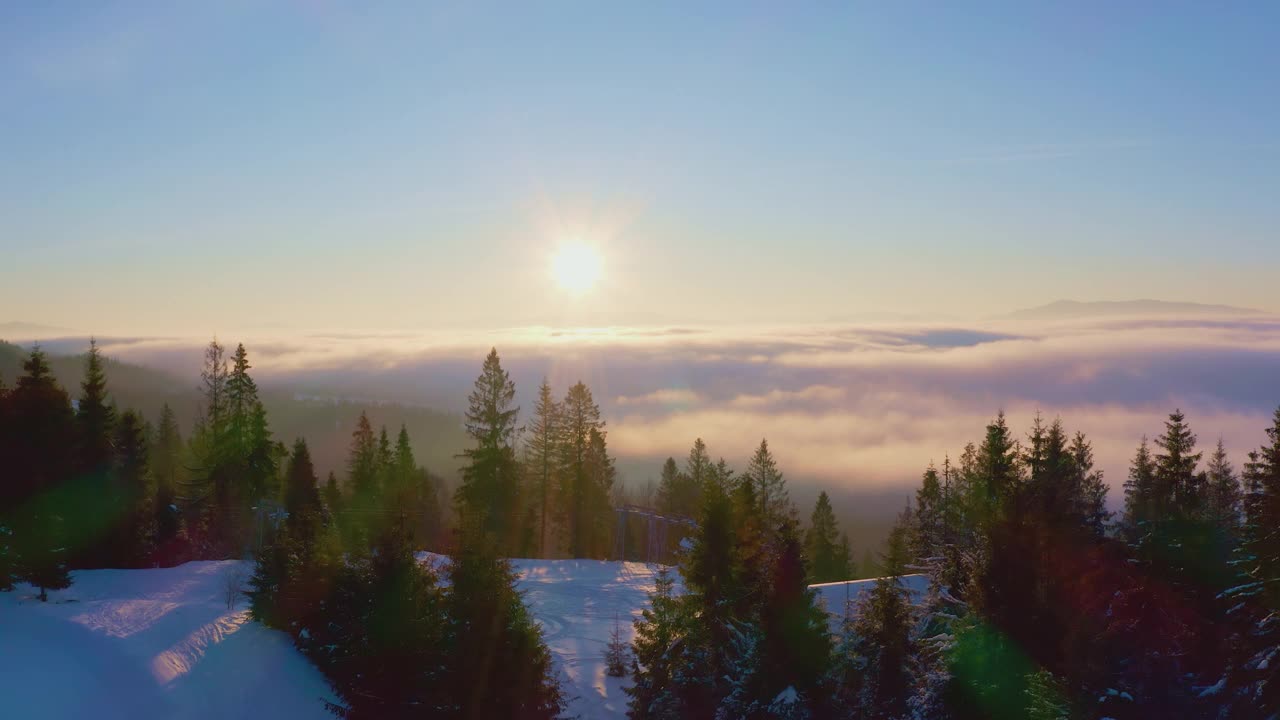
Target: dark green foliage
x=489, y=494
x=498, y=663
x=542, y=456
x=879, y=642
x=827, y=553
x=587, y=474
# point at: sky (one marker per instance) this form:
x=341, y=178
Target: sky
x=193, y=167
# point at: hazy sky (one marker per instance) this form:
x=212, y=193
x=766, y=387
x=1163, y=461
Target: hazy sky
x=200, y=166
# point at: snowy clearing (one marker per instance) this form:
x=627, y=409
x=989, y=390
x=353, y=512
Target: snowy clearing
x=163, y=644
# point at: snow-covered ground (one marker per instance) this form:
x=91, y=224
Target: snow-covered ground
x=149, y=644
x=162, y=643
x=836, y=596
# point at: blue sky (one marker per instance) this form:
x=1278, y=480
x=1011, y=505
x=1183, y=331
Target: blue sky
x=202, y=166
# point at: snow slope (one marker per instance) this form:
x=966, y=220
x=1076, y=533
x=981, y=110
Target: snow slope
x=144, y=644
x=837, y=596
x=149, y=644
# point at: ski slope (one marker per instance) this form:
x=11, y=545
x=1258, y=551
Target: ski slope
x=162, y=643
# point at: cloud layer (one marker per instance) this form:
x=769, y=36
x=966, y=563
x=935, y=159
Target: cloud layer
x=860, y=406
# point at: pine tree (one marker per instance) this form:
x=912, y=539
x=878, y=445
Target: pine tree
x=882, y=633
x=794, y=647
x=927, y=532
x=587, y=473
x=1177, y=485
x=362, y=481
x=38, y=466
x=302, y=504
x=542, y=456
x=771, y=489
x=488, y=496
x=133, y=492
x=659, y=638
x=101, y=509
x=1256, y=597
x=1224, y=493
x=668, y=499
x=617, y=653
x=167, y=473
x=1091, y=487
x=1139, y=494
x=95, y=418
x=499, y=665
x=822, y=547
x=332, y=495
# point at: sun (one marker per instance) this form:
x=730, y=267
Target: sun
x=576, y=267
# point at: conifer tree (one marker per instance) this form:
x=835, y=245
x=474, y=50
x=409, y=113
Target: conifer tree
x=133, y=493
x=1224, y=493
x=771, y=489
x=822, y=544
x=660, y=632
x=98, y=509
x=332, y=495
x=668, y=499
x=1091, y=488
x=1139, y=493
x=542, y=455
x=587, y=473
x=927, y=532
x=95, y=418
x=362, y=481
x=498, y=665
x=41, y=430
x=881, y=638
x=488, y=497
x=167, y=474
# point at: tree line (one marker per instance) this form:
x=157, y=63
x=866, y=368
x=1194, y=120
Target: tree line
x=1040, y=603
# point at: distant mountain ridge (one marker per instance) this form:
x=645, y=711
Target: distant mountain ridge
x=1073, y=309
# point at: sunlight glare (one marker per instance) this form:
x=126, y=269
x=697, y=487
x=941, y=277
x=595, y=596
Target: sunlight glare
x=576, y=267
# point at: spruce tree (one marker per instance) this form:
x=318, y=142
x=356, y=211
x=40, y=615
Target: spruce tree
x=133, y=537
x=100, y=508
x=498, y=664
x=668, y=487
x=167, y=474
x=882, y=638
x=488, y=496
x=822, y=544
x=1224, y=493
x=542, y=455
x=1091, y=488
x=587, y=473
x=1139, y=494
x=38, y=467
x=660, y=634
x=771, y=489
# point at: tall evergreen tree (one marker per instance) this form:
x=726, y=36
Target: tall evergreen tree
x=498, y=665
x=133, y=494
x=587, y=473
x=542, y=455
x=771, y=489
x=1139, y=493
x=167, y=472
x=97, y=508
x=488, y=495
x=41, y=430
x=823, y=546
x=1225, y=497
x=1090, y=485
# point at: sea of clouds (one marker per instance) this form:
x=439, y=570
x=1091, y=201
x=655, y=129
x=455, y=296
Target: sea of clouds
x=865, y=405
